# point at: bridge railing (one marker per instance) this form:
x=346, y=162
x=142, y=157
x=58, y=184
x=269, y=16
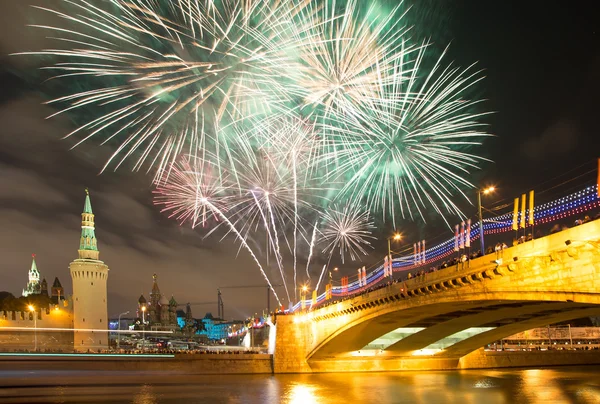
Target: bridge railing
x=576, y=203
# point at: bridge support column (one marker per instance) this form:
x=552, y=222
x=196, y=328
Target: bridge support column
x=291, y=345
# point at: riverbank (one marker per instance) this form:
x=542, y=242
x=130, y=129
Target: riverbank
x=189, y=364
x=249, y=364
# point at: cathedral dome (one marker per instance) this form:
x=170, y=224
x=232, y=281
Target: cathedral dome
x=163, y=301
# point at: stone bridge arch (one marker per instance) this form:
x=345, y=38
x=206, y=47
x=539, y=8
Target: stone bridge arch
x=547, y=281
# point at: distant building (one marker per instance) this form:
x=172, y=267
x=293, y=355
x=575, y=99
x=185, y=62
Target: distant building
x=159, y=314
x=34, y=286
x=217, y=329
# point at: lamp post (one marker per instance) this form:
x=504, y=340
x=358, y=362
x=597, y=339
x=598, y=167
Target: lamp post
x=485, y=192
x=303, y=291
x=144, y=328
x=32, y=309
x=331, y=276
x=119, y=329
x=395, y=237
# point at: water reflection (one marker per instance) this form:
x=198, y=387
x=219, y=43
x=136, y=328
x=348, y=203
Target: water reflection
x=560, y=385
x=301, y=394
x=146, y=395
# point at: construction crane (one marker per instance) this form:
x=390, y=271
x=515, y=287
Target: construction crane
x=221, y=307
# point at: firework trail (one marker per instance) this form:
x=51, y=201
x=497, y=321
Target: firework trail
x=272, y=240
x=320, y=277
x=310, y=253
x=187, y=204
x=243, y=242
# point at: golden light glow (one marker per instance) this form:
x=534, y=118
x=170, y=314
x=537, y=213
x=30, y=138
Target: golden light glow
x=426, y=352
x=304, y=288
x=302, y=394
x=143, y=308
x=397, y=236
x=489, y=190
x=335, y=269
x=31, y=308
x=300, y=318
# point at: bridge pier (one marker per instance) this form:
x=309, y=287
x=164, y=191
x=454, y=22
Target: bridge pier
x=291, y=345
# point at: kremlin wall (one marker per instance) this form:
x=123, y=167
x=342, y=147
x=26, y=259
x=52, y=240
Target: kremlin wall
x=68, y=323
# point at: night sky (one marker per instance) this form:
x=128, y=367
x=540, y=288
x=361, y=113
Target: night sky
x=542, y=62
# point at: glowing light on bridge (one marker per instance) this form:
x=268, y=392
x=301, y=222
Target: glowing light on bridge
x=573, y=204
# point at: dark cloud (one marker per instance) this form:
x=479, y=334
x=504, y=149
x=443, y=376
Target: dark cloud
x=561, y=138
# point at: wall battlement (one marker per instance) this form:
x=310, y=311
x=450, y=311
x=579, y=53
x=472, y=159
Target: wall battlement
x=19, y=330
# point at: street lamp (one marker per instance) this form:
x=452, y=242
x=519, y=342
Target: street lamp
x=395, y=237
x=32, y=309
x=485, y=191
x=331, y=276
x=144, y=328
x=119, y=329
x=303, y=291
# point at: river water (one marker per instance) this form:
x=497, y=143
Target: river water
x=557, y=385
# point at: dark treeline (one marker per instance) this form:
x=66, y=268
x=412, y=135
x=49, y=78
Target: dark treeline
x=8, y=302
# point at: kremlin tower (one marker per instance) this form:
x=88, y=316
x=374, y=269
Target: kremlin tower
x=33, y=286
x=89, y=276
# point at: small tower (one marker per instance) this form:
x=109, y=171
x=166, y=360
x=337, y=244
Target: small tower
x=58, y=292
x=172, y=311
x=164, y=311
x=44, y=288
x=155, y=296
x=33, y=285
x=89, y=276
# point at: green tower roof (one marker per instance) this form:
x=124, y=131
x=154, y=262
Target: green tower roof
x=88, y=235
x=87, y=207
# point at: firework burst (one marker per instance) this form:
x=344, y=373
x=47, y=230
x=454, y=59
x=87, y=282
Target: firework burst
x=410, y=151
x=297, y=120
x=347, y=230
x=349, y=57
x=191, y=192
x=158, y=71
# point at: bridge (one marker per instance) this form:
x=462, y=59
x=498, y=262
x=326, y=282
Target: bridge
x=436, y=320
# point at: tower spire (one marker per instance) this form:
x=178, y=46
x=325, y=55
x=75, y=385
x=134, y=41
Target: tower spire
x=88, y=246
x=33, y=265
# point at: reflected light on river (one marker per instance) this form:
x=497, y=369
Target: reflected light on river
x=301, y=394
x=541, y=386
x=566, y=385
x=146, y=395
